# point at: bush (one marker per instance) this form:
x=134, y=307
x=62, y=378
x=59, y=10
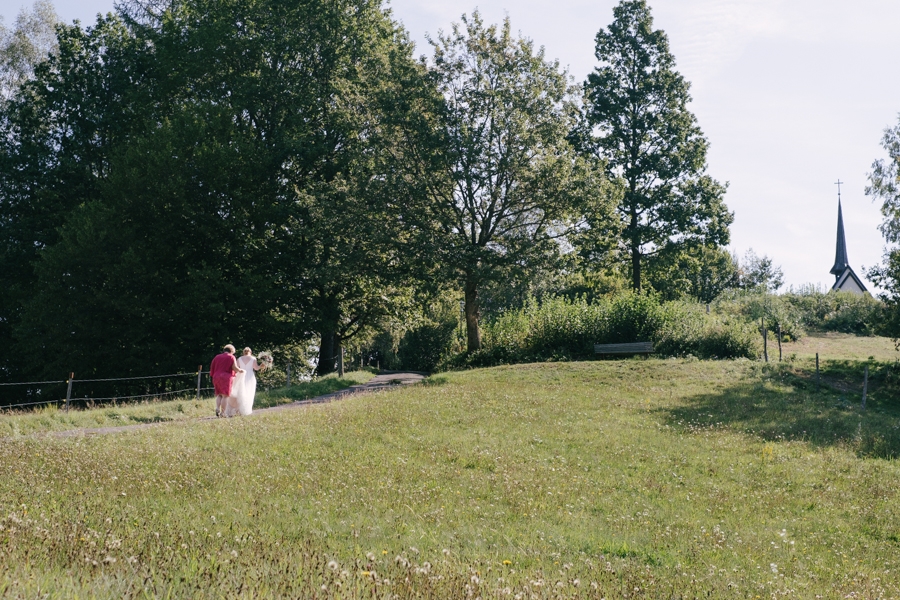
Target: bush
x=844, y=312
x=424, y=347
x=756, y=305
x=565, y=329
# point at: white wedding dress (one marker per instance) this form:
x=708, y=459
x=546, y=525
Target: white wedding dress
x=243, y=389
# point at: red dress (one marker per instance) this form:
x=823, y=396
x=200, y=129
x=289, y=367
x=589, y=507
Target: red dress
x=222, y=374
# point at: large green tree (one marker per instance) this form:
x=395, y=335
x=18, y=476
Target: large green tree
x=884, y=186
x=636, y=118
x=204, y=172
x=510, y=185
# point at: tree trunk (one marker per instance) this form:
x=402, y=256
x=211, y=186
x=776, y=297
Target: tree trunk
x=635, y=269
x=635, y=253
x=473, y=333
x=329, y=348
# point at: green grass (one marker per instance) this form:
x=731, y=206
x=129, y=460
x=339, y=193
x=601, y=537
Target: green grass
x=53, y=419
x=638, y=478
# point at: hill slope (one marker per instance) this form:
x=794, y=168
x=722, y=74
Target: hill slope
x=647, y=477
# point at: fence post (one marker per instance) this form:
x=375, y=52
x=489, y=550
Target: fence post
x=341, y=363
x=865, y=387
x=817, y=371
x=69, y=390
x=199, y=379
x=289, y=374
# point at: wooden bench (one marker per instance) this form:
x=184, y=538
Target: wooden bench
x=631, y=348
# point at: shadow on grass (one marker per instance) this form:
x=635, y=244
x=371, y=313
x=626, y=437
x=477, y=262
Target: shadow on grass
x=150, y=419
x=781, y=402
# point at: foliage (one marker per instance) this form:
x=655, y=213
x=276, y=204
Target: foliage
x=509, y=183
x=478, y=476
x=25, y=46
x=844, y=312
x=884, y=186
x=636, y=118
x=200, y=175
x=758, y=306
x=701, y=273
x=759, y=272
x=564, y=329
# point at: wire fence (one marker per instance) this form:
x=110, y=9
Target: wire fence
x=89, y=392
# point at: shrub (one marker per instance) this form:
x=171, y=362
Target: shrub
x=565, y=329
x=844, y=312
x=424, y=347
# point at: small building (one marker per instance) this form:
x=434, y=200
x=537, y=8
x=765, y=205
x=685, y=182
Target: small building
x=845, y=280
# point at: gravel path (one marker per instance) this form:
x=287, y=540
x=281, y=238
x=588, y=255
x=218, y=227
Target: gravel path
x=382, y=382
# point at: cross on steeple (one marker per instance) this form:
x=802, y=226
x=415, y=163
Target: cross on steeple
x=839, y=183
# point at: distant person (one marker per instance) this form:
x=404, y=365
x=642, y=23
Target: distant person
x=222, y=370
x=243, y=392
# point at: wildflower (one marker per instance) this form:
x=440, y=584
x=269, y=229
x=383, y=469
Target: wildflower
x=507, y=562
x=332, y=565
x=383, y=552
x=370, y=556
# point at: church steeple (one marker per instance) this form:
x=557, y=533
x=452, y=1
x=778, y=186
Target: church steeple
x=840, y=253
x=844, y=277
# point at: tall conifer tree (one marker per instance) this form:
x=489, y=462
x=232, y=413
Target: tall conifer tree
x=636, y=118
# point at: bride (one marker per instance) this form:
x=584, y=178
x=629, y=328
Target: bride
x=243, y=390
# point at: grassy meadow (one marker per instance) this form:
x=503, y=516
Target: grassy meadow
x=640, y=478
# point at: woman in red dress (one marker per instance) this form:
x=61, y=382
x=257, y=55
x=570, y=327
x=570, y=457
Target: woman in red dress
x=222, y=370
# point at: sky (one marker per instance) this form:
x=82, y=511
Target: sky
x=792, y=96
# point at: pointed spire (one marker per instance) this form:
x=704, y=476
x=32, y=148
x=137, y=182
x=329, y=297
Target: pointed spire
x=840, y=254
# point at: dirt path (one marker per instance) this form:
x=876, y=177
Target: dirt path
x=383, y=382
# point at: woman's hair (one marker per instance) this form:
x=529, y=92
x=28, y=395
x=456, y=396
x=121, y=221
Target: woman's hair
x=229, y=348
x=247, y=351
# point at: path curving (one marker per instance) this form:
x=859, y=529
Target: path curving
x=384, y=381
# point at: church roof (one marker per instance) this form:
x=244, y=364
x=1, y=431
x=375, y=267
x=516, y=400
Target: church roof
x=845, y=281
x=840, y=255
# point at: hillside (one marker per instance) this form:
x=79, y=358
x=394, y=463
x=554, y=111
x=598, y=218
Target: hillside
x=651, y=478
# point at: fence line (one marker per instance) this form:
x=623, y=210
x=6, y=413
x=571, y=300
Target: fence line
x=70, y=398
x=35, y=382
x=136, y=378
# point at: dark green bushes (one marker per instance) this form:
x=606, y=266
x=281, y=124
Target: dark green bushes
x=423, y=348
x=563, y=329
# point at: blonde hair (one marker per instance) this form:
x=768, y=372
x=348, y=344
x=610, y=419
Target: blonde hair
x=229, y=348
x=247, y=351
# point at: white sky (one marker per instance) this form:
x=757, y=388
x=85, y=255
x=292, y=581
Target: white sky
x=791, y=94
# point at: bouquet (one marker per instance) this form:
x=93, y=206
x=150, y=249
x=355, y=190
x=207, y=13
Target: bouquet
x=265, y=360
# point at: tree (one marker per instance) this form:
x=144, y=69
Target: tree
x=26, y=46
x=884, y=185
x=209, y=170
x=701, y=272
x=511, y=185
x=759, y=272
x=636, y=118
